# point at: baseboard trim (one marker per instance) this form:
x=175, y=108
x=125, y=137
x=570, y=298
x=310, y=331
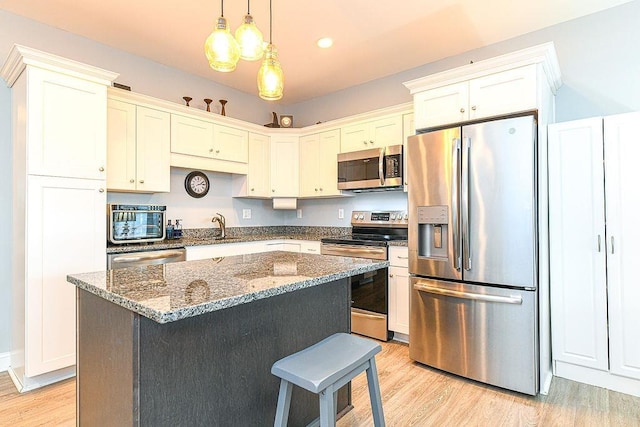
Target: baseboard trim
x=597, y=378
x=4, y=361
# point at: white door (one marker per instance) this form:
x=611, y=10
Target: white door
x=230, y=144
x=258, y=176
x=442, y=105
x=66, y=225
x=623, y=234
x=66, y=126
x=577, y=252
x=191, y=136
x=121, y=146
x=502, y=93
x=153, y=153
x=284, y=166
x=309, y=165
x=329, y=147
x=399, y=293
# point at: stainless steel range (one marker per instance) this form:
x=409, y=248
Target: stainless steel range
x=371, y=233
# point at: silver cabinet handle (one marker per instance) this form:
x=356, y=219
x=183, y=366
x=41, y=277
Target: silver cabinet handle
x=455, y=202
x=273, y=191
x=381, y=166
x=252, y=189
x=466, y=228
x=364, y=142
x=217, y=151
x=613, y=250
x=371, y=142
x=391, y=275
x=402, y=257
x=421, y=287
x=473, y=108
x=598, y=243
x=316, y=190
x=142, y=181
x=132, y=181
x=101, y=190
x=462, y=110
x=101, y=169
x=211, y=150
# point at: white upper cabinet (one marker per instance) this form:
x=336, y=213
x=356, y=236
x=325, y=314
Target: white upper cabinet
x=505, y=84
x=371, y=134
x=258, y=180
x=66, y=125
x=191, y=136
x=319, y=164
x=230, y=144
x=138, y=148
x=284, y=166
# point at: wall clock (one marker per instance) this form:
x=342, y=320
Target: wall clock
x=196, y=184
x=286, y=121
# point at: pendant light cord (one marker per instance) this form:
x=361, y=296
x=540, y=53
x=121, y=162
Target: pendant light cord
x=248, y=7
x=270, y=22
x=222, y=8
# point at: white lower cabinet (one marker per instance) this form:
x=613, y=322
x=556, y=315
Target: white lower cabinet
x=223, y=250
x=399, y=290
x=64, y=228
x=595, y=297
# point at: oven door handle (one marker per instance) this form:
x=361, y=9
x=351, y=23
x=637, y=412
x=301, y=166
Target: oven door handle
x=355, y=251
x=421, y=287
x=164, y=254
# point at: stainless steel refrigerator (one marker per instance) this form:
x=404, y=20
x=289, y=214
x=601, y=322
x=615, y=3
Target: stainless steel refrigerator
x=473, y=251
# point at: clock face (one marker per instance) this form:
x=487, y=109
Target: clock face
x=196, y=184
x=285, y=121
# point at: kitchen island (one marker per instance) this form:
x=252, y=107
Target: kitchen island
x=192, y=343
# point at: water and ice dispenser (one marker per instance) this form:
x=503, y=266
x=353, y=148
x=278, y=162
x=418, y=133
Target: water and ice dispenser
x=433, y=231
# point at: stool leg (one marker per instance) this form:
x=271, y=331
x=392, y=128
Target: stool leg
x=374, y=394
x=284, y=402
x=327, y=413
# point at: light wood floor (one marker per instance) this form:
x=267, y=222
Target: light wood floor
x=412, y=395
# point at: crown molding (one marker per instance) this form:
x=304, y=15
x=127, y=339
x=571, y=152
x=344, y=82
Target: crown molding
x=21, y=56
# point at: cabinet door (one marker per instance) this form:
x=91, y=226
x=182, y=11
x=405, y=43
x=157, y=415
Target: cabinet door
x=442, y=105
x=153, y=152
x=284, y=166
x=355, y=137
x=502, y=93
x=67, y=126
x=66, y=234
x=577, y=245
x=258, y=176
x=623, y=234
x=387, y=131
x=309, y=164
x=408, y=129
x=121, y=146
x=230, y=144
x=329, y=147
x=191, y=136
x=399, y=299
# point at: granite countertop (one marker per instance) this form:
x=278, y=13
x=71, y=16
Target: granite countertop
x=174, y=291
x=203, y=237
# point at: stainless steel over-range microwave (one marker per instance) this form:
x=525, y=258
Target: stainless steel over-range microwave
x=371, y=170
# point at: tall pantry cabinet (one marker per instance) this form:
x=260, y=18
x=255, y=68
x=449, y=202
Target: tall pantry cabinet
x=594, y=204
x=59, y=198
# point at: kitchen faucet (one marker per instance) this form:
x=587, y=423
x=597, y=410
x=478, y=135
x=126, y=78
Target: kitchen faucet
x=219, y=218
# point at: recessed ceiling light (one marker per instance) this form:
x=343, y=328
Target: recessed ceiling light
x=325, y=42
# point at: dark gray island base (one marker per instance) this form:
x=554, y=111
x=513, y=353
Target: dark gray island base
x=212, y=368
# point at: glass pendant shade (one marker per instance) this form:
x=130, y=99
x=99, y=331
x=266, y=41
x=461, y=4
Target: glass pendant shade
x=270, y=76
x=250, y=40
x=221, y=48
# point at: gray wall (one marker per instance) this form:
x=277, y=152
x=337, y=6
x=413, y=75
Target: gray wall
x=598, y=57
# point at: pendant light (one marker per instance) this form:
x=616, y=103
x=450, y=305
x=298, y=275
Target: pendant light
x=249, y=38
x=221, y=48
x=270, y=75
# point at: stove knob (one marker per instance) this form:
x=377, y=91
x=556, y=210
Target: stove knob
x=393, y=217
x=361, y=217
x=355, y=216
x=406, y=216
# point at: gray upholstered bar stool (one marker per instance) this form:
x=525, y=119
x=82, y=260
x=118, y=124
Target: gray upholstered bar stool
x=325, y=367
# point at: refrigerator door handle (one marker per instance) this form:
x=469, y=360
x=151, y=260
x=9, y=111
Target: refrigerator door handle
x=455, y=203
x=381, y=166
x=466, y=231
x=421, y=287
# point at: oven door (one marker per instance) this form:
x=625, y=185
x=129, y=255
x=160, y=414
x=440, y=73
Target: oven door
x=369, y=304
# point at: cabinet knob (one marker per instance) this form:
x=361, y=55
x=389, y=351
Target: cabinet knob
x=370, y=142
x=316, y=189
x=101, y=190
x=391, y=275
x=101, y=169
x=364, y=142
x=211, y=150
x=217, y=151
x=132, y=181
x=462, y=110
x=252, y=189
x=473, y=108
x=142, y=181
x=273, y=191
x=320, y=188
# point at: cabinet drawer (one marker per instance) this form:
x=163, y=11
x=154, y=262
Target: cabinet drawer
x=399, y=256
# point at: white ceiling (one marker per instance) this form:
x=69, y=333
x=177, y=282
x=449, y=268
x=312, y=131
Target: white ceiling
x=372, y=38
